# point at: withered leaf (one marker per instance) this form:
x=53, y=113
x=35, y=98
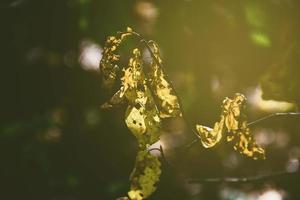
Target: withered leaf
x=145, y=175
x=167, y=100
x=233, y=124
x=142, y=115
x=245, y=144
x=210, y=137
x=108, y=63
x=133, y=75
x=143, y=120
x=151, y=97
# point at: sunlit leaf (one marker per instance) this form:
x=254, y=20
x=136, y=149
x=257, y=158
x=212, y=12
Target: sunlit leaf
x=210, y=137
x=149, y=97
x=142, y=119
x=108, y=64
x=237, y=128
x=167, y=99
x=233, y=125
x=142, y=115
x=145, y=175
x=245, y=144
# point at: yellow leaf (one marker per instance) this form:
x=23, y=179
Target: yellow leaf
x=108, y=64
x=210, y=137
x=144, y=176
x=135, y=121
x=233, y=124
x=168, y=102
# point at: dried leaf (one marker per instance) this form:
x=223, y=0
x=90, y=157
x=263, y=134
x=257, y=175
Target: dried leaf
x=245, y=144
x=232, y=111
x=210, y=137
x=145, y=175
x=167, y=100
x=151, y=97
x=108, y=63
x=133, y=76
x=142, y=119
x=142, y=114
x=233, y=123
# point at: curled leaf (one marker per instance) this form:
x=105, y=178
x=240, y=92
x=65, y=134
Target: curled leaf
x=245, y=144
x=233, y=124
x=133, y=76
x=142, y=114
x=165, y=94
x=232, y=111
x=108, y=63
x=237, y=128
x=149, y=97
x=210, y=137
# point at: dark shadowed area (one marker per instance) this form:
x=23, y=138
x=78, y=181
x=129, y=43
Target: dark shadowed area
x=57, y=144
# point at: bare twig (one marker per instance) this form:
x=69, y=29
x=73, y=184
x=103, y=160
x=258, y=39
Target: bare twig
x=272, y=116
x=241, y=179
x=227, y=179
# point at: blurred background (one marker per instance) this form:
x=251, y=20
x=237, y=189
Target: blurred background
x=56, y=143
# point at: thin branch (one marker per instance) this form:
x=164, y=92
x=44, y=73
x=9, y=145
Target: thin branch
x=272, y=116
x=241, y=179
x=227, y=179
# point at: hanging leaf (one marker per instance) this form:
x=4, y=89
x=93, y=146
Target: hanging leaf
x=167, y=100
x=233, y=124
x=151, y=97
x=141, y=116
x=142, y=119
x=210, y=137
x=108, y=63
x=145, y=175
